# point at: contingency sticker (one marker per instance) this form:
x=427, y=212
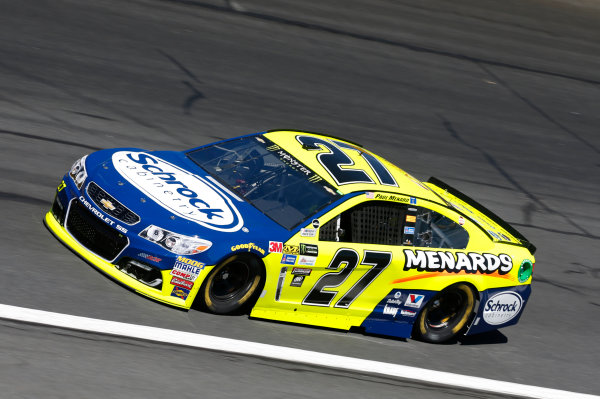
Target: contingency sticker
x=187, y=269
x=288, y=259
x=180, y=292
x=297, y=281
x=308, y=232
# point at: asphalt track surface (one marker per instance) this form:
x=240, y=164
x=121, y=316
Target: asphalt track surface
x=499, y=99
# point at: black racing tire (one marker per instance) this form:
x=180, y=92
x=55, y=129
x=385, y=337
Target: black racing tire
x=233, y=285
x=447, y=314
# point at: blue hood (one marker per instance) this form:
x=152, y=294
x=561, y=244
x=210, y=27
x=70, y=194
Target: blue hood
x=166, y=189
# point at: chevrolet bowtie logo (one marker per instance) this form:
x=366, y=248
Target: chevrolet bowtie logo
x=107, y=204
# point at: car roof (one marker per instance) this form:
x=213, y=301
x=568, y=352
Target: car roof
x=361, y=159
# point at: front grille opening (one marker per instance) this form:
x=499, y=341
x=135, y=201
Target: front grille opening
x=93, y=233
x=110, y=205
x=142, y=272
x=58, y=210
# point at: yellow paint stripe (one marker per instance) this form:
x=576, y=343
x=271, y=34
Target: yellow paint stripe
x=108, y=268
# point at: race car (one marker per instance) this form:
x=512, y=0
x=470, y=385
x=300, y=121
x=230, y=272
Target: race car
x=297, y=227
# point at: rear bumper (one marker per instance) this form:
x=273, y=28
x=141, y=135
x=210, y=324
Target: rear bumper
x=497, y=308
x=163, y=295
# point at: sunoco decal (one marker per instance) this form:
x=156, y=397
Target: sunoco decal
x=502, y=307
x=186, y=195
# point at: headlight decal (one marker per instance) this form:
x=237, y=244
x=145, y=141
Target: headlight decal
x=78, y=172
x=178, y=244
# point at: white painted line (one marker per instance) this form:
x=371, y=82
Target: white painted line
x=281, y=353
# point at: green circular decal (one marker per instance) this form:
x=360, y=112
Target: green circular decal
x=525, y=270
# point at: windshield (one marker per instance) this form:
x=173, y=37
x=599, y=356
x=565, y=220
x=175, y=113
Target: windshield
x=268, y=177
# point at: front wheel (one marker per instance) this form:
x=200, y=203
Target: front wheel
x=447, y=313
x=233, y=284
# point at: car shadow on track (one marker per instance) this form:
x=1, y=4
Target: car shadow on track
x=486, y=338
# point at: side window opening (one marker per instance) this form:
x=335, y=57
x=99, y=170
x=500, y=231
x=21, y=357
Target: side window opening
x=437, y=231
x=375, y=222
x=385, y=223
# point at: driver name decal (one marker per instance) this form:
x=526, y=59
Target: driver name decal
x=178, y=191
x=445, y=261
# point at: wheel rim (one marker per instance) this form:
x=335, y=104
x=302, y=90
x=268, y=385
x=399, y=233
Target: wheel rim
x=447, y=310
x=232, y=279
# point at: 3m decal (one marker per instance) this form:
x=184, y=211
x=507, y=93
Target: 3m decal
x=187, y=269
x=332, y=158
x=502, y=307
x=287, y=259
x=180, y=292
x=248, y=247
x=347, y=259
x=309, y=249
x=182, y=283
x=275, y=246
x=414, y=300
x=180, y=192
x=445, y=261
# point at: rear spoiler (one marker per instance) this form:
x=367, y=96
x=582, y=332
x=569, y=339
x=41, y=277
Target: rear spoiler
x=524, y=241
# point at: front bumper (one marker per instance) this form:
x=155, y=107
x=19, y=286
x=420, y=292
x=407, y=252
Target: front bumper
x=163, y=295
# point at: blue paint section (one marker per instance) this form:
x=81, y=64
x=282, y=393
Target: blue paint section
x=258, y=228
x=397, y=312
x=500, y=307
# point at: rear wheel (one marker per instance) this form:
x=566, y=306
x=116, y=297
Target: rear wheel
x=446, y=314
x=233, y=284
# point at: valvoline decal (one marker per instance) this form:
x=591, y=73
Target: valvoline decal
x=184, y=194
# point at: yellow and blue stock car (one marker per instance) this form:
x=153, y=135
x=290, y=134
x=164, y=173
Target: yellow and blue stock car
x=297, y=227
